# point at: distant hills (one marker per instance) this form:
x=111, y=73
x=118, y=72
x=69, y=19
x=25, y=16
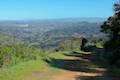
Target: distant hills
x=50, y=33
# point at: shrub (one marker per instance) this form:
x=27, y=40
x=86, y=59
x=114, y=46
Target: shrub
x=13, y=54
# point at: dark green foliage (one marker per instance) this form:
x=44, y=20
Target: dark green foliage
x=115, y=57
x=117, y=7
x=84, y=41
x=112, y=27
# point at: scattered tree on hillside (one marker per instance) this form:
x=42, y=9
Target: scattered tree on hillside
x=84, y=41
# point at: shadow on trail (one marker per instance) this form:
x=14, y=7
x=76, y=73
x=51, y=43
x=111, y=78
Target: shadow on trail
x=83, y=63
x=96, y=78
x=71, y=65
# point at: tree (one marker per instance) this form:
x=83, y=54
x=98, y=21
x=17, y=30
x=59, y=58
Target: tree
x=84, y=41
x=112, y=27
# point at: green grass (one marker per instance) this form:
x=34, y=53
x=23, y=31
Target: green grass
x=21, y=70
x=99, y=45
x=57, y=55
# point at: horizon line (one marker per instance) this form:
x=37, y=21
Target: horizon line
x=52, y=18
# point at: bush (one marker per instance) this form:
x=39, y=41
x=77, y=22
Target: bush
x=13, y=54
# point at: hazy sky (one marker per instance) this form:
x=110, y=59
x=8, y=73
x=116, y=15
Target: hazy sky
x=50, y=9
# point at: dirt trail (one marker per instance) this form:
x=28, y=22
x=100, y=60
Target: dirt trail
x=68, y=75
x=75, y=67
x=96, y=73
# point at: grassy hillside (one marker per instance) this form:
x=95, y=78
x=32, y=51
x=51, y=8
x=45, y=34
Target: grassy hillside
x=24, y=69
x=19, y=60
